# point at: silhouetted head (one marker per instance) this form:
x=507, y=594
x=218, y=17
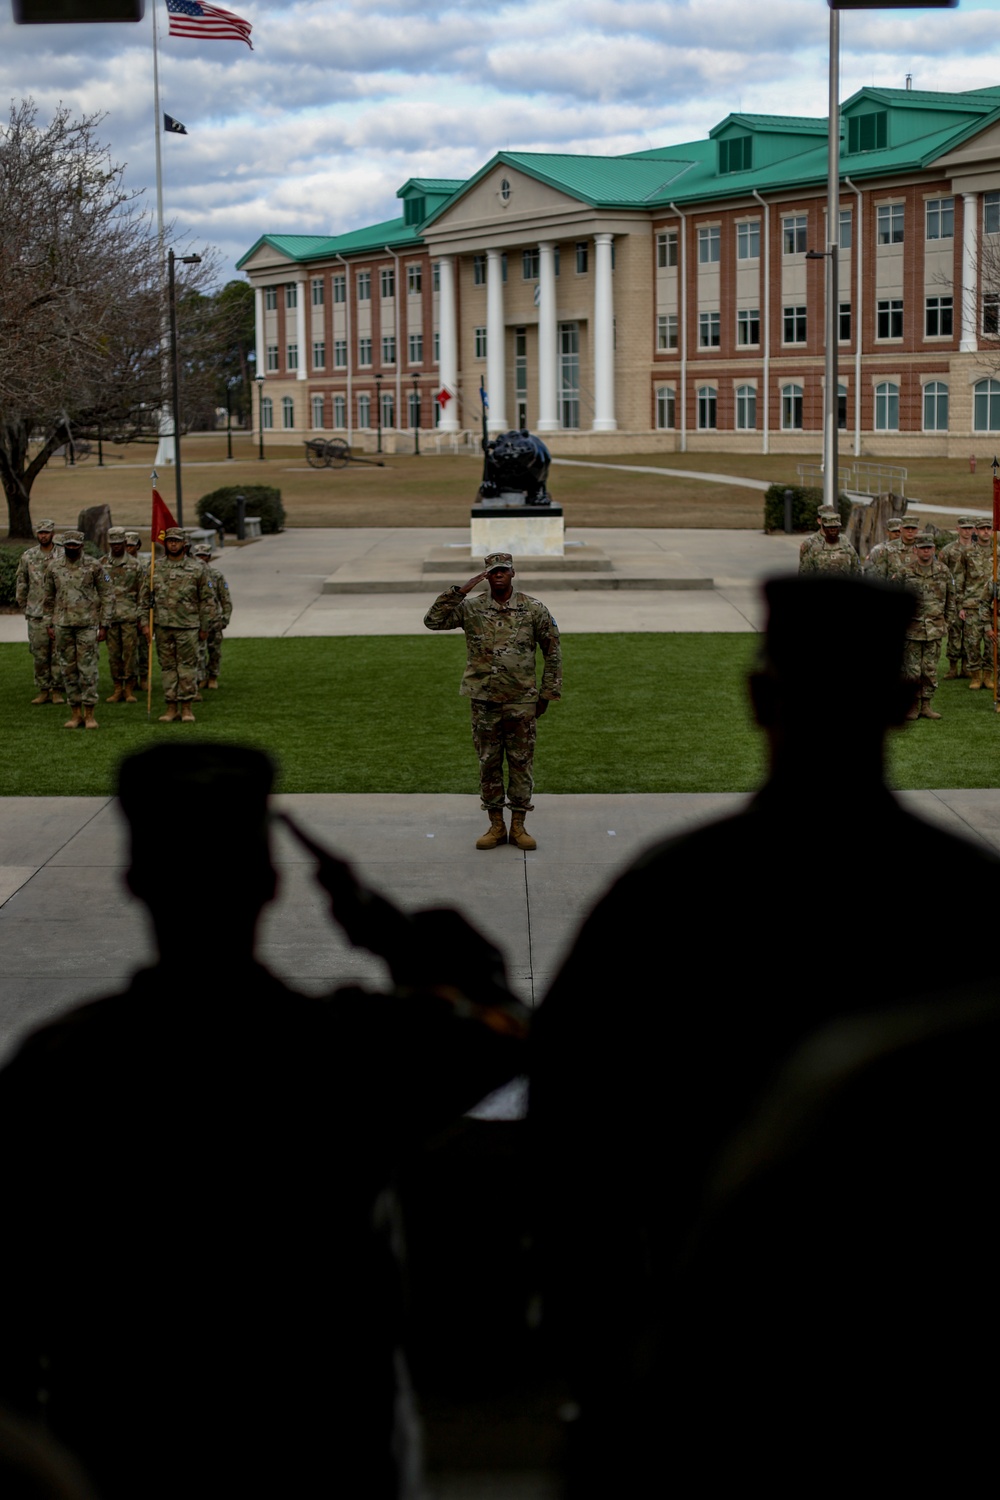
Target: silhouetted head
x=198, y=816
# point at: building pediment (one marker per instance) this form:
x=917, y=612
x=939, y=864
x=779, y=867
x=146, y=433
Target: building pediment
x=975, y=164
x=507, y=207
x=265, y=256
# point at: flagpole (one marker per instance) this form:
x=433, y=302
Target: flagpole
x=996, y=523
x=153, y=479
x=156, y=132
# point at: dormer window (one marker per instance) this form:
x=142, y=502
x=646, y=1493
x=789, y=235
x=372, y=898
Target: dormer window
x=736, y=154
x=868, y=132
x=414, y=210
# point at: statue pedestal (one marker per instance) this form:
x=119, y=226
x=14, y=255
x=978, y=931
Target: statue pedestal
x=522, y=530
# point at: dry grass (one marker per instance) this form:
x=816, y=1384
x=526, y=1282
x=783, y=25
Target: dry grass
x=437, y=490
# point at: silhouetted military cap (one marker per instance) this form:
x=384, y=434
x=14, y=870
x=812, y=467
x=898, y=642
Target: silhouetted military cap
x=116, y=534
x=832, y=618
x=498, y=560
x=72, y=538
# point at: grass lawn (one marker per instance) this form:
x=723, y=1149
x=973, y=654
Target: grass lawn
x=643, y=713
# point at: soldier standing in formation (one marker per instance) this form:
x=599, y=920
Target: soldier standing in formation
x=503, y=632
x=971, y=567
x=77, y=611
x=815, y=538
x=133, y=546
x=183, y=614
x=129, y=611
x=212, y=654
x=874, y=561
x=831, y=553
x=928, y=578
x=30, y=592
x=951, y=556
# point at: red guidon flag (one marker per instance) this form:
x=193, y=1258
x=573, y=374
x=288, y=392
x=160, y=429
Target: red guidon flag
x=162, y=519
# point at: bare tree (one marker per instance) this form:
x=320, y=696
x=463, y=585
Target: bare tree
x=81, y=298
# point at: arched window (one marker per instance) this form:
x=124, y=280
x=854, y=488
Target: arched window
x=791, y=408
x=317, y=407
x=987, y=406
x=388, y=409
x=339, y=411
x=364, y=411
x=746, y=408
x=842, y=406
x=887, y=407
x=666, y=407
x=935, y=406
x=707, y=397
x=287, y=412
x=267, y=413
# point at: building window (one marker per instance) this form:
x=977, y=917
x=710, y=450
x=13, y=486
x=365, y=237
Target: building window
x=479, y=270
x=339, y=411
x=317, y=291
x=987, y=406
x=583, y=257
x=503, y=266
x=271, y=298
x=748, y=325
x=707, y=398
x=414, y=279
x=287, y=412
x=364, y=285
x=340, y=354
x=940, y=218
x=746, y=408
x=480, y=338
x=291, y=295
x=387, y=281
x=666, y=408
x=666, y=249
x=791, y=408
x=890, y=224
x=267, y=413
x=991, y=213
x=793, y=234
x=388, y=409
x=319, y=354
x=529, y=265
x=868, y=132
x=935, y=406
x=436, y=276
x=889, y=318
x=748, y=240
x=666, y=331
x=364, y=351
x=569, y=375
x=842, y=407
x=708, y=244
x=436, y=345
x=413, y=408
x=736, y=154
x=388, y=348
x=793, y=325
x=364, y=411
x=846, y=229
x=708, y=330
x=938, y=317
x=844, y=334
x=292, y=357
x=317, y=410
x=991, y=314
x=887, y=407
x=555, y=259
x=415, y=348
x=272, y=356
x=340, y=288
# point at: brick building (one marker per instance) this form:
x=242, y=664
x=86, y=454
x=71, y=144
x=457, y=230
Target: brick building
x=664, y=299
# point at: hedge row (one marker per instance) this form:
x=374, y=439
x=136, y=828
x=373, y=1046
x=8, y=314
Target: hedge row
x=806, y=501
x=261, y=500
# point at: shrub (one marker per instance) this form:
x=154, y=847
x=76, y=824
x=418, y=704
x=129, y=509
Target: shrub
x=10, y=556
x=262, y=500
x=806, y=501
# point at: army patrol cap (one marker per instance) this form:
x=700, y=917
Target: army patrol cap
x=175, y=534
x=924, y=539
x=44, y=526
x=968, y=521
x=894, y=525
x=133, y=539
x=499, y=560
x=830, y=518
x=116, y=534
x=907, y=525
x=72, y=538
x=202, y=550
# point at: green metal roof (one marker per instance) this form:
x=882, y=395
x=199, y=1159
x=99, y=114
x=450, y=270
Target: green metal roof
x=303, y=247
x=433, y=185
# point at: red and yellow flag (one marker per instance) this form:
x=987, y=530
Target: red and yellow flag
x=162, y=519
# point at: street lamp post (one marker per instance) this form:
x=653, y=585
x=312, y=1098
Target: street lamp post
x=416, y=416
x=175, y=371
x=259, y=382
x=378, y=409
x=229, y=416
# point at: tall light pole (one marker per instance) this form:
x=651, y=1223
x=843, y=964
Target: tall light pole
x=259, y=382
x=175, y=371
x=416, y=416
x=378, y=408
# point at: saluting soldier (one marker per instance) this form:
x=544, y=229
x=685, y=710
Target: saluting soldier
x=77, y=611
x=833, y=553
x=30, y=594
x=183, y=613
x=224, y=613
x=129, y=612
x=928, y=578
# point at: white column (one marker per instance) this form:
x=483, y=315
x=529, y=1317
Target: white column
x=548, y=393
x=604, y=337
x=496, y=375
x=447, y=342
x=258, y=323
x=970, y=290
x=300, y=328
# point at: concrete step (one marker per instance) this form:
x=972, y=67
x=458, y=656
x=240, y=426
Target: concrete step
x=545, y=583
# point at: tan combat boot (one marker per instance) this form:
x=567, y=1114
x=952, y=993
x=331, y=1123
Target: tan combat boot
x=43, y=696
x=76, y=722
x=130, y=691
x=926, y=712
x=954, y=670
x=187, y=714
x=988, y=681
x=57, y=696
x=89, y=722
x=495, y=834
x=118, y=694
x=519, y=835
x=172, y=713
x=976, y=682
x=213, y=683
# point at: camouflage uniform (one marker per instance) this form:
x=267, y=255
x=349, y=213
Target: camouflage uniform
x=879, y=562
x=973, y=568
x=210, y=651
x=835, y=557
x=77, y=604
x=500, y=678
x=184, y=605
x=936, y=609
x=30, y=594
x=129, y=610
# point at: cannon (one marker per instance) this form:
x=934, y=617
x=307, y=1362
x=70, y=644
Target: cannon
x=515, y=468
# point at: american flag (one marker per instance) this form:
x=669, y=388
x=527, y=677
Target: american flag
x=199, y=19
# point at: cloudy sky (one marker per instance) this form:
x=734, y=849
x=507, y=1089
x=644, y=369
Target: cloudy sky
x=342, y=100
